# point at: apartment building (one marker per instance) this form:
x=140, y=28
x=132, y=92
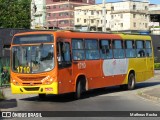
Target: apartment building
x=124, y=16
x=89, y=18
x=38, y=14
x=154, y=11
x=60, y=13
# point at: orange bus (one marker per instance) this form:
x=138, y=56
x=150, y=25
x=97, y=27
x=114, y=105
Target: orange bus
x=58, y=62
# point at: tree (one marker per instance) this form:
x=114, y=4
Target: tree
x=15, y=13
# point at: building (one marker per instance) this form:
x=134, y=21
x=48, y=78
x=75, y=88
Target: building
x=38, y=14
x=60, y=13
x=154, y=12
x=89, y=18
x=122, y=16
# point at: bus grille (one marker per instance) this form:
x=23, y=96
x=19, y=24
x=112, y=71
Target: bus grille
x=31, y=89
x=32, y=78
x=29, y=84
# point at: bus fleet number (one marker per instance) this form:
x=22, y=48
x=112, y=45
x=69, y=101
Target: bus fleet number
x=22, y=69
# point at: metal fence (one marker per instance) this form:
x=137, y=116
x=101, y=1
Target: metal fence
x=4, y=71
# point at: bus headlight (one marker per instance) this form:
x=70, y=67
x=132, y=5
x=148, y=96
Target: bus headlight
x=15, y=82
x=47, y=81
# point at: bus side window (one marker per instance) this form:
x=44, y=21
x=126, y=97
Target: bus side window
x=148, y=48
x=140, y=48
x=105, y=49
x=130, y=49
x=92, y=50
x=78, y=49
x=118, y=49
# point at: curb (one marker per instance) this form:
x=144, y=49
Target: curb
x=149, y=97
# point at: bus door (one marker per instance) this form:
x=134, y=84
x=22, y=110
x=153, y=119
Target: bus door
x=64, y=67
x=149, y=59
x=141, y=66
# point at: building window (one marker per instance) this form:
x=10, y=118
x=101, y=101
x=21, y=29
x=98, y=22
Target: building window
x=60, y=6
x=92, y=12
x=54, y=7
x=49, y=14
x=48, y=7
x=85, y=20
x=60, y=14
x=146, y=8
x=134, y=15
x=77, y=19
x=112, y=16
x=121, y=24
x=97, y=12
x=134, y=24
x=134, y=7
x=63, y=22
x=145, y=16
x=146, y=25
x=112, y=8
x=121, y=15
x=92, y=21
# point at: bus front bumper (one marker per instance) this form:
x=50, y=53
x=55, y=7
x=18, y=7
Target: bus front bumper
x=43, y=89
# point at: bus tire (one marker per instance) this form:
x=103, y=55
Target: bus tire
x=131, y=81
x=42, y=96
x=78, y=93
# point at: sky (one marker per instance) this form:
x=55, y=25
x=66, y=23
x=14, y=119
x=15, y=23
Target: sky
x=151, y=1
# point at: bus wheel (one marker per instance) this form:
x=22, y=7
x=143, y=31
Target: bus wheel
x=42, y=96
x=131, y=81
x=78, y=92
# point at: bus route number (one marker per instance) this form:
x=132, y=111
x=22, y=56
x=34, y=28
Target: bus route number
x=22, y=69
x=81, y=65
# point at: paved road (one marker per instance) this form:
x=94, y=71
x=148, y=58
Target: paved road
x=108, y=99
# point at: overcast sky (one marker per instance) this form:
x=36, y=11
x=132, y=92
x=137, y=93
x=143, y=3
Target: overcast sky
x=151, y=1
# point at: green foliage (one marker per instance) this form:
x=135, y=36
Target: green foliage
x=15, y=13
x=157, y=65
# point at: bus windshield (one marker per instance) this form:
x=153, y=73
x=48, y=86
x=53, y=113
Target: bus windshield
x=33, y=59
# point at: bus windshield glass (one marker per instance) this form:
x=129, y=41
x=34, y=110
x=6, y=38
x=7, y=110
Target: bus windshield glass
x=33, y=59
x=28, y=39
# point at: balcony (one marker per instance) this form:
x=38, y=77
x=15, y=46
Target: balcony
x=129, y=11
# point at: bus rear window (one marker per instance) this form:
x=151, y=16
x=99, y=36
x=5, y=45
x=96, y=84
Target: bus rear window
x=27, y=39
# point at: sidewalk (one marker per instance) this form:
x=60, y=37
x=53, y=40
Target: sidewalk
x=154, y=92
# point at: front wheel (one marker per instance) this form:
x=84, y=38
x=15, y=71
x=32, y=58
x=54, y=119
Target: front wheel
x=131, y=81
x=78, y=92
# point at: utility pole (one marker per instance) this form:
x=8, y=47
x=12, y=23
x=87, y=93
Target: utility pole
x=32, y=14
x=104, y=16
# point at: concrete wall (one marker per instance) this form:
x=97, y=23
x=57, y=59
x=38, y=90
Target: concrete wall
x=156, y=45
